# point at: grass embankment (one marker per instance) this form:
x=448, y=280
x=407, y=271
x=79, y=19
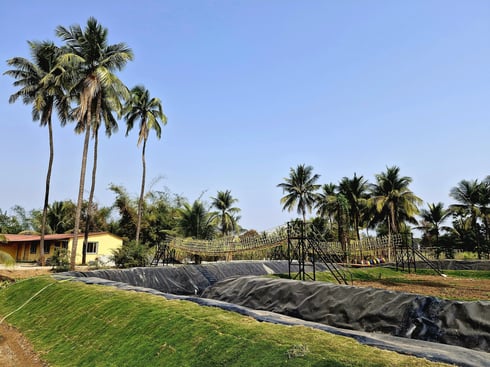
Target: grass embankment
x=73, y=324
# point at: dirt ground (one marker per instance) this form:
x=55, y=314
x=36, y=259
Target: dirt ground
x=16, y=351
x=437, y=286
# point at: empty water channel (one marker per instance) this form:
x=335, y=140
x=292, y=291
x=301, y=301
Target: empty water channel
x=440, y=330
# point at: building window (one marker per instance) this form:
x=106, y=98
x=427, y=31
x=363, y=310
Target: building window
x=64, y=244
x=92, y=247
x=47, y=246
x=33, y=247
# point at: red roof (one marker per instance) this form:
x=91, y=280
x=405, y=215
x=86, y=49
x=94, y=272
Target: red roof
x=49, y=237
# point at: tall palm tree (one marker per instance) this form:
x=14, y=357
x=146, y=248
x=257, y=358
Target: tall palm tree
x=150, y=114
x=300, y=188
x=432, y=219
x=90, y=61
x=393, y=200
x=38, y=84
x=355, y=192
x=227, y=213
x=109, y=102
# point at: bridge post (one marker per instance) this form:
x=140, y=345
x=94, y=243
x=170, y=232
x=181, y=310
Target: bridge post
x=299, y=250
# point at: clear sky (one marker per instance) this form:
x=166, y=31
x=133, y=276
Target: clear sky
x=252, y=88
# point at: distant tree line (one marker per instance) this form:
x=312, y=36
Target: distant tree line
x=164, y=214
x=347, y=210
x=387, y=206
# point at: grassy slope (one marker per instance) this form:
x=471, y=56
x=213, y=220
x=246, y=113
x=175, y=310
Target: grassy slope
x=73, y=324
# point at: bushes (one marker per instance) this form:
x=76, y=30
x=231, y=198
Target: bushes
x=60, y=261
x=131, y=254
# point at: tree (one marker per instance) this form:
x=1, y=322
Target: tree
x=39, y=87
x=432, y=219
x=393, y=200
x=61, y=216
x=227, y=214
x=300, y=188
x=109, y=101
x=473, y=199
x=9, y=223
x=150, y=114
x=196, y=221
x=332, y=203
x=90, y=62
x=355, y=192
x=160, y=217
x=325, y=205
x=126, y=226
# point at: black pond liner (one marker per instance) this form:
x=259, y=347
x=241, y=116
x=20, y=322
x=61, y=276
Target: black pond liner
x=439, y=330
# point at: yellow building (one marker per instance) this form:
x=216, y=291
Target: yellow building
x=26, y=248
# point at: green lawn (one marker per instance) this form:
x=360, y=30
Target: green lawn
x=73, y=324
x=376, y=273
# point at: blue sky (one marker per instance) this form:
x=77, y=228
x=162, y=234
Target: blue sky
x=253, y=88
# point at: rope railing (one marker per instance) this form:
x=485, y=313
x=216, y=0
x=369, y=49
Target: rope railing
x=278, y=236
x=228, y=245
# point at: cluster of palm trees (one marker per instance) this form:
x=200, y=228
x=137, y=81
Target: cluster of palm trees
x=389, y=206
x=470, y=219
x=163, y=214
x=78, y=82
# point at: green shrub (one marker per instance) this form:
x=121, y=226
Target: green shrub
x=130, y=255
x=60, y=261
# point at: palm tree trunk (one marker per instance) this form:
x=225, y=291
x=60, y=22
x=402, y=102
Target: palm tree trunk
x=90, y=200
x=356, y=224
x=46, y=192
x=78, y=211
x=142, y=193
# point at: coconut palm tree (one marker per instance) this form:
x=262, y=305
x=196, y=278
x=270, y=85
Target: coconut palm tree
x=334, y=204
x=432, y=219
x=300, y=188
x=227, y=214
x=355, y=191
x=109, y=102
x=90, y=62
x=485, y=209
x=149, y=112
x=472, y=199
x=325, y=205
x=196, y=221
x=60, y=218
x=39, y=87
x=393, y=200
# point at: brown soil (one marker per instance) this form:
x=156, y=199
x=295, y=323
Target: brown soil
x=16, y=351
x=437, y=286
